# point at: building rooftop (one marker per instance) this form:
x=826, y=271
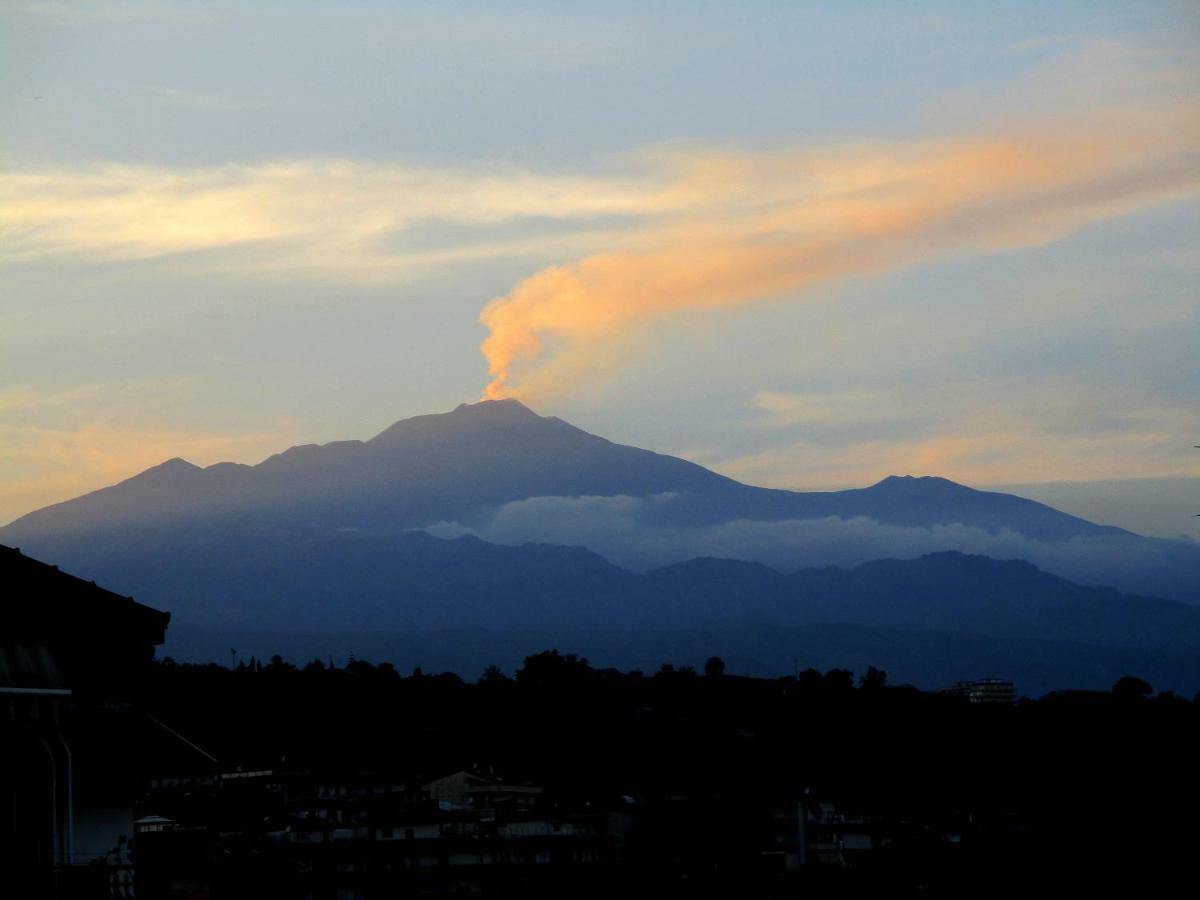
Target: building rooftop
x=57, y=630
x=39, y=597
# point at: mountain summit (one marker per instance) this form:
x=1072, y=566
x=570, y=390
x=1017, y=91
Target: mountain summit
x=466, y=418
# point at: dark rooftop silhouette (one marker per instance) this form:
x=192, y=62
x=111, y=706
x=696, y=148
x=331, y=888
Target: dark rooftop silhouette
x=59, y=631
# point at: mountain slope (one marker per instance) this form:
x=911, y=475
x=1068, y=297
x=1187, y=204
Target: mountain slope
x=499, y=462
x=413, y=581
x=415, y=473
x=274, y=593
x=456, y=465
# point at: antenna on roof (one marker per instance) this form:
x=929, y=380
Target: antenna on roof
x=171, y=731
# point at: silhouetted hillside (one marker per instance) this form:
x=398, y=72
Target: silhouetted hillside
x=279, y=593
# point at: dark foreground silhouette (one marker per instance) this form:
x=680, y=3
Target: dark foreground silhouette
x=121, y=776
x=272, y=780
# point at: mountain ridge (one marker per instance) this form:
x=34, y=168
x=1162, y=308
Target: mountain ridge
x=419, y=584
x=504, y=423
x=500, y=471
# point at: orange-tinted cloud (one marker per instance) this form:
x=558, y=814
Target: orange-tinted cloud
x=761, y=226
x=972, y=431
x=339, y=218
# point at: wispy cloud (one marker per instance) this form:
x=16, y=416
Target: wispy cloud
x=684, y=230
x=48, y=465
x=860, y=406
x=337, y=216
x=65, y=13
x=59, y=442
x=203, y=100
x=977, y=433
x=770, y=225
x=1096, y=129
x=637, y=532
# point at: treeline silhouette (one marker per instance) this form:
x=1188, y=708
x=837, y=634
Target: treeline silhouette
x=557, y=715
x=1070, y=790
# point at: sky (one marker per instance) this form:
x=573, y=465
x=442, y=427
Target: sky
x=806, y=245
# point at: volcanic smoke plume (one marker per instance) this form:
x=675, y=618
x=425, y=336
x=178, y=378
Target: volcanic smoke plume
x=755, y=227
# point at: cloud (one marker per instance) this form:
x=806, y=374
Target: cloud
x=203, y=100
x=975, y=432
x=768, y=225
x=58, y=443
x=630, y=532
x=661, y=231
x=338, y=217
x=49, y=465
x=858, y=406
x=105, y=12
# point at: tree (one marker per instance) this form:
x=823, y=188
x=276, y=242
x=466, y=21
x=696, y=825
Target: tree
x=1130, y=687
x=839, y=679
x=714, y=667
x=493, y=675
x=388, y=671
x=808, y=679
x=360, y=667
x=552, y=669
x=875, y=678
x=279, y=664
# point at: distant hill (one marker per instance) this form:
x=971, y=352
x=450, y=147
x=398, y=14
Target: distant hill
x=414, y=581
x=363, y=594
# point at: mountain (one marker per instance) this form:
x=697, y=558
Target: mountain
x=456, y=465
x=417, y=472
x=493, y=469
x=417, y=597
x=560, y=532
